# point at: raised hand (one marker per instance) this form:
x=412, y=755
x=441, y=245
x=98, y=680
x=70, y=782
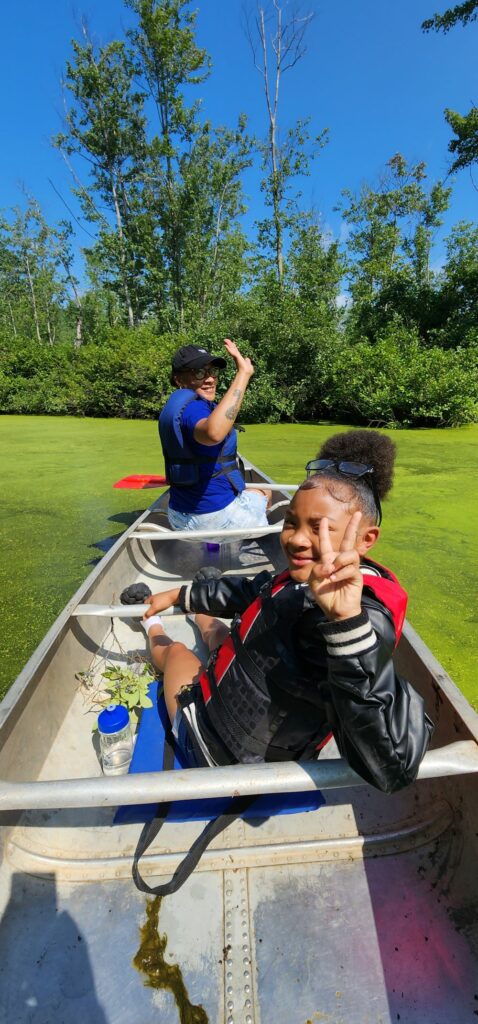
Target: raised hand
x=336, y=581
x=242, y=362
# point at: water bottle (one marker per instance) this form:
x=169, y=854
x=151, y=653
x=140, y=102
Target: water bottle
x=116, y=739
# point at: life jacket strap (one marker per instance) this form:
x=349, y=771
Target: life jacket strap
x=238, y=736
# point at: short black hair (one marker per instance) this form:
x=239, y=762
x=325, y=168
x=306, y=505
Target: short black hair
x=368, y=447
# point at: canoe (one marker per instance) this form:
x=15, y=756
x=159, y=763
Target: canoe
x=364, y=911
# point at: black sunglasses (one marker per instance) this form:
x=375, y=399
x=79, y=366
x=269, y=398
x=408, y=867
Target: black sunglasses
x=354, y=470
x=205, y=371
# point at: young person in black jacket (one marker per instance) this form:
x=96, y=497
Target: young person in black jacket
x=310, y=651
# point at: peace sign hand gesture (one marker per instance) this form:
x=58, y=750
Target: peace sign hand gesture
x=336, y=581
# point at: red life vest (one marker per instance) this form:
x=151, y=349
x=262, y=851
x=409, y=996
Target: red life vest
x=391, y=594
x=388, y=591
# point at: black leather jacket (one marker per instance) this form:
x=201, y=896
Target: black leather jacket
x=295, y=676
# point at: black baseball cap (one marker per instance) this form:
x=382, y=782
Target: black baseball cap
x=189, y=357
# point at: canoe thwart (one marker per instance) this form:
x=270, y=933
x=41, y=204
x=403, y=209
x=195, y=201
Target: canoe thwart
x=142, y=481
x=149, y=531
x=459, y=758
x=120, y=611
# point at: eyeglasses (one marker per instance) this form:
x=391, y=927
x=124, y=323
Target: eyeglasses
x=354, y=470
x=205, y=371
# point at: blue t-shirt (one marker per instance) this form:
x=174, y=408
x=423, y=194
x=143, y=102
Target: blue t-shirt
x=209, y=494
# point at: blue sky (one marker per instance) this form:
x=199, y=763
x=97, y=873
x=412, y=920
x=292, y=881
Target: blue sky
x=370, y=75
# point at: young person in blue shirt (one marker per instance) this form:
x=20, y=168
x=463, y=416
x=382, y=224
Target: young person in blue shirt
x=200, y=445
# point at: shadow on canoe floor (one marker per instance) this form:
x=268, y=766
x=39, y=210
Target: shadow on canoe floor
x=36, y=929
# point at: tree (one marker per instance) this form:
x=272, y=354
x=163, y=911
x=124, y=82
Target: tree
x=462, y=13
x=278, y=44
x=31, y=287
x=465, y=126
x=105, y=127
x=458, y=289
x=192, y=176
x=168, y=60
x=314, y=274
x=389, y=248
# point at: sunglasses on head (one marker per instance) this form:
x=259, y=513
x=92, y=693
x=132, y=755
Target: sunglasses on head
x=205, y=371
x=353, y=470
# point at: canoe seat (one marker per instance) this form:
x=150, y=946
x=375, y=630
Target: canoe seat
x=148, y=757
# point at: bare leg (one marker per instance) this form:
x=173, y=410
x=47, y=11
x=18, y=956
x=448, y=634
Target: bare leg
x=212, y=631
x=179, y=666
x=266, y=493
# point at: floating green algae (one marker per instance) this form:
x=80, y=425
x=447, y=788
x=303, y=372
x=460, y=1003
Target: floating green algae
x=57, y=501
x=150, y=961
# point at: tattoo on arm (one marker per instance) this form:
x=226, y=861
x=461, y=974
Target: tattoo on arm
x=232, y=411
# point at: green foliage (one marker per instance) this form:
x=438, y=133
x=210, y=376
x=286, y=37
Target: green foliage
x=126, y=686
x=460, y=14
x=465, y=126
x=389, y=249
x=465, y=145
x=397, y=383
x=169, y=262
x=126, y=373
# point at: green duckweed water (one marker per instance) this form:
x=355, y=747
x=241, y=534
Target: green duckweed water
x=57, y=502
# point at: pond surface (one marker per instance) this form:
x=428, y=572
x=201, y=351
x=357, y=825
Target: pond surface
x=59, y=513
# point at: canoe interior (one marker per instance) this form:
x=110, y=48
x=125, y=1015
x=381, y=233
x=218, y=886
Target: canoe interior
x=364, y=912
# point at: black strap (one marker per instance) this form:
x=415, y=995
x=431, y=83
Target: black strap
x=223, y=461
x=237, y=806
x=150, y=830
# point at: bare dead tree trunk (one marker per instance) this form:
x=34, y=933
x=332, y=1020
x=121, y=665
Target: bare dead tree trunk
x=286, y=41
x=79, y=314
x=12, y=318
x=79, y=309
x=33, y=298
x=50, y=330
x=272, y=101
x=119, y=225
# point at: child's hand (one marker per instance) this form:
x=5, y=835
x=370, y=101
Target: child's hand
x=336, y=581
x=159, y=602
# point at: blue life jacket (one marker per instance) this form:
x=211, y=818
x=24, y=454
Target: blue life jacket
x=181, y=463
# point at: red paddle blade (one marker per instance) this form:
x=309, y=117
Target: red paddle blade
x=141, y=481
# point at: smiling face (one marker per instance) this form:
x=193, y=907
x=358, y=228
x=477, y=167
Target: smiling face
x=204, y=388
x=300, y=532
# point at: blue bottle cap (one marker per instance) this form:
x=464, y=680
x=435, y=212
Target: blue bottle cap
x=114, y=718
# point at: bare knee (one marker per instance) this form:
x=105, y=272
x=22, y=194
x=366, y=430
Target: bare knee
x=171, y=648
x=265, y=493
x=213, y=631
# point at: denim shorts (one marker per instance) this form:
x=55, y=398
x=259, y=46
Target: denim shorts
x=247, y=510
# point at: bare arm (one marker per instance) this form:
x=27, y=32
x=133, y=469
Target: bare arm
x=159, y=602
x=214, y=428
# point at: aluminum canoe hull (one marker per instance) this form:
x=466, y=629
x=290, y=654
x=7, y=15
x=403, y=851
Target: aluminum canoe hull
x=364, y=912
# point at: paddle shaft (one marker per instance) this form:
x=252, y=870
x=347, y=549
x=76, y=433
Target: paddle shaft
x=141, y=481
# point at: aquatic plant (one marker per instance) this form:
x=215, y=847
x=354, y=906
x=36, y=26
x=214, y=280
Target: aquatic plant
x=123, y=685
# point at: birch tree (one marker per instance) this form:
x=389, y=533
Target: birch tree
x=276, y=35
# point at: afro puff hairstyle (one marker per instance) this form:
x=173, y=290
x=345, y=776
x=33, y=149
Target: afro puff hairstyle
x=366, y=446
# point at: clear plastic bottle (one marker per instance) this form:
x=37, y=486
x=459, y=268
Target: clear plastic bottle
x=116, y=739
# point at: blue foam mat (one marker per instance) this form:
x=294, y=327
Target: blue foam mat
x=148, y=757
